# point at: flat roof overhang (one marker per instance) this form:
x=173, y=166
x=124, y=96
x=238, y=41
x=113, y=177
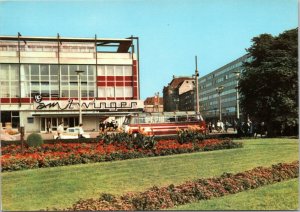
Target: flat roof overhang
x=123, y=43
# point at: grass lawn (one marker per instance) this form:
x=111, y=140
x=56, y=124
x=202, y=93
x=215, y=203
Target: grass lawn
x=279, y=196
x=62, y=186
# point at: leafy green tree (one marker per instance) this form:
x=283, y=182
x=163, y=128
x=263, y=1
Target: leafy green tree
x=269, y=83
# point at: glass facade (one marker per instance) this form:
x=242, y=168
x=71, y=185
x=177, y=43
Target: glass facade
x=45, y=80
x=9, y=81
x=209, y=97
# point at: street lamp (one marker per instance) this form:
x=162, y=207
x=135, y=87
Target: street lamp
x=196, y=75
x=237, y=74
x=79, y=93
x=156, y=103
x=219, y=91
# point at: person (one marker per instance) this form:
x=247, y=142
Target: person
x=239, y=128
x=221, y=126
x=80, y=132
x=226, y=126
x=116, y=125
x=210, y=127
x=218, y=125
x=101, y=126
x=250, y=127
x=60, y=129
x=49, y=127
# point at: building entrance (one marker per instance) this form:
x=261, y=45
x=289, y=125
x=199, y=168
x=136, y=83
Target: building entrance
x=55, y=121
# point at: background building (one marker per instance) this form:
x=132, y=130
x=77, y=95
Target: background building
x=39, y=82
x=154, y=104
x=173, y=101
x=225, y=79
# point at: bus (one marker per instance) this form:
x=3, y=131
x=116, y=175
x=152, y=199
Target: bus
x=166, y=123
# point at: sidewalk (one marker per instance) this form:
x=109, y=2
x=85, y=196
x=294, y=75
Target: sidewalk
x=49, y=136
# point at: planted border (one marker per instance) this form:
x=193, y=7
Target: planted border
x=61, y=154
x=157, y=198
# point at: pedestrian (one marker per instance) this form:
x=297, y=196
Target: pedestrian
x=250, y=127
x=49, y=127
x=239, y=128
x=221, y=126
x=226, y=125
x=80, y=132
x=116, y=125
x=60, y=130
x=101, y=126
x=210, y=127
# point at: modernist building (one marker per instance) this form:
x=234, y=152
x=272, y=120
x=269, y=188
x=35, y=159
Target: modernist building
x=39, y=80
x=222, y=81
x=175, y=94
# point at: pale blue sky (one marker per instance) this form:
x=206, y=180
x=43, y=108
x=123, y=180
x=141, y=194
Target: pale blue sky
x=171, y=32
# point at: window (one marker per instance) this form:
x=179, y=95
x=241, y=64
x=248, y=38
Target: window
x=110, y=70
x=119, y=70
x=30, y=120
x=127, y=70
x=128, y=91
x=110, y=92
x=119, y=91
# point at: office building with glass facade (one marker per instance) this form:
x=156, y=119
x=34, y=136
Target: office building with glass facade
x=39, y=80
x=223, y=81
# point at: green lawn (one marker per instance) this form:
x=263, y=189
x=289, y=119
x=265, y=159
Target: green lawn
x=279, y=196
x=62, y=186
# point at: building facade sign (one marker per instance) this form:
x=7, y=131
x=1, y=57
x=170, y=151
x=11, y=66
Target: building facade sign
x=71, y=104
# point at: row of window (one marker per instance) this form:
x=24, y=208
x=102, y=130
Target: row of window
x=47, y=48
x=47, y=80
x=120, y=91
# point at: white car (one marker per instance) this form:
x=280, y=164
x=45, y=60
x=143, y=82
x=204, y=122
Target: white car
x=71, y=133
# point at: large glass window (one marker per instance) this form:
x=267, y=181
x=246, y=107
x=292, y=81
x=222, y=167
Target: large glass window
x=9, y=80
x=44, y=80
x=69, y=80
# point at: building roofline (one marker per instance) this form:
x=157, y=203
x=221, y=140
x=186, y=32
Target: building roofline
x=66, y=39
x=226, y=65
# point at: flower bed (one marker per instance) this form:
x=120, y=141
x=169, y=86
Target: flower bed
x=60, y=154
x=191, y=191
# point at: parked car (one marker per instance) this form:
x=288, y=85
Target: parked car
x=71, y=133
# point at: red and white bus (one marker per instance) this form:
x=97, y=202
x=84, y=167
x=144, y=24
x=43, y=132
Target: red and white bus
x=167, y=123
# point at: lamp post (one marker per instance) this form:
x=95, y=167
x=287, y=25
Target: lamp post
x=219, y=91
x=79, y=93
x=156, y=103
x=196, y=75
x=237, y=74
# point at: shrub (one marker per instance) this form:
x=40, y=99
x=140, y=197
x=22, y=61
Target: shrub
x=192, y=134
x=34, y=140
x=145, y=142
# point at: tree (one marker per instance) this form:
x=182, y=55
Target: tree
x=269, y=83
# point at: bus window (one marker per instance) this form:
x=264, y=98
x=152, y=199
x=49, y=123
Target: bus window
x=181, y=118
x=134, y=120
x=172, y=119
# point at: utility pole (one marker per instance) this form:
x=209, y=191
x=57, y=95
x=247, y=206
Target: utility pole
x=196, y=84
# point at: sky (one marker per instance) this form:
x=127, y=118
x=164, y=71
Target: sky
x=171, y=32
